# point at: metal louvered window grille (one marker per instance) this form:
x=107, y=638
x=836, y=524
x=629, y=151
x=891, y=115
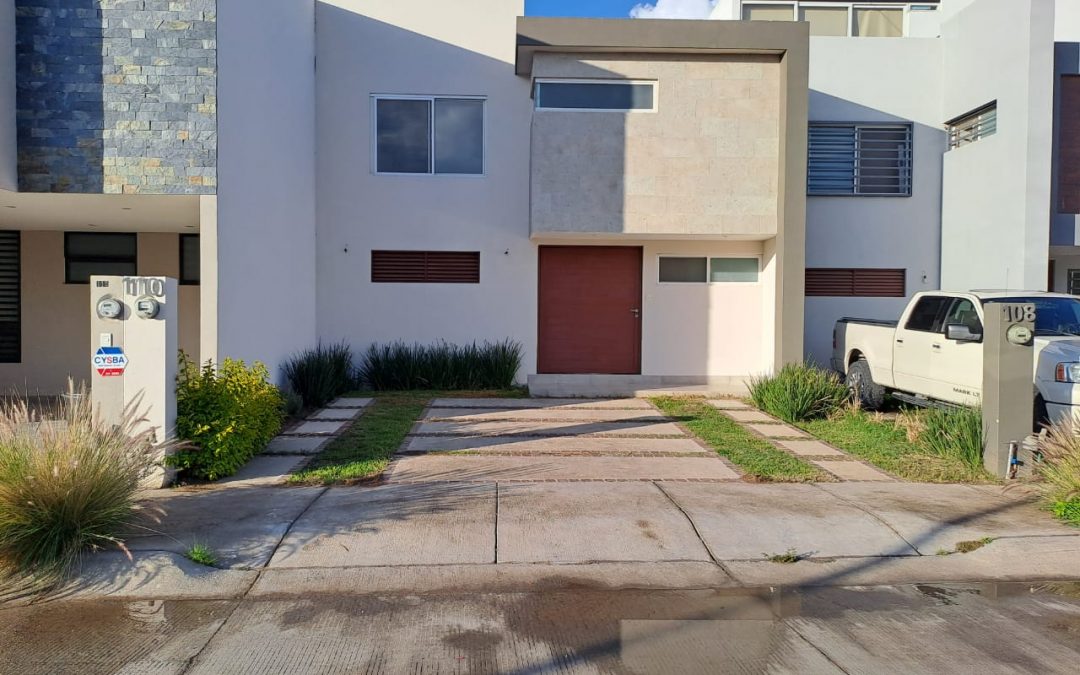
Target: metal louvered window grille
x=856, y=282
x=972, y=126
x=859, y=159
x=10, y=298
x=425, y=267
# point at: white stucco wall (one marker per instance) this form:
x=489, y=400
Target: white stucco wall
x=459, y=48
x=1067, y=21
x=9, y=178
x=858, y=80
x=996, y=195
x=265, y=243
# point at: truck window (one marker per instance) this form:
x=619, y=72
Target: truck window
x=928, y=314
x=963, y=312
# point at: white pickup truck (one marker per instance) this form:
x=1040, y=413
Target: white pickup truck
x=934, y=353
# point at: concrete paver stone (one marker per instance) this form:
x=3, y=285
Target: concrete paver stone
x=495, y=468
x=544, y=414
x=296, y=445
x=554, y=445
x=322, y=428
x=347, y=402
x=777, y=431
x=749, y=416
x=539, y=403
x=262, y=470
x=641, y=429
x=335, y=414
x=728, y=404
x=810, y=449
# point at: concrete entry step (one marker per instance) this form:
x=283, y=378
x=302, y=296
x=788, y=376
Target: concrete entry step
x=586, y=403
x=317, y=427
x=553, y=445
x=544, y=414
x=492, y=469
x=639, y=429
x=335, y=414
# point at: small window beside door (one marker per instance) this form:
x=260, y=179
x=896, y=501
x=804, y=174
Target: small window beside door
x=101, y=253
x=189, y=259
x=702, y=270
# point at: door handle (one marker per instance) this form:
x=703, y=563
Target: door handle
x=936, y=346
x=899, y=342
x=636, y=313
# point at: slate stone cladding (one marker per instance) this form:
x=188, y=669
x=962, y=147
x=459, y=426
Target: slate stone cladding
x=117, y=96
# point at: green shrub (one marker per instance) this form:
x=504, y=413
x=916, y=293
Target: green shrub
x=226, y=414
x=321, y=374
x=1060, y=469
x=799, y=392
x=294, y=403
x=398, y=365
x=67, y=485
x=954, y=433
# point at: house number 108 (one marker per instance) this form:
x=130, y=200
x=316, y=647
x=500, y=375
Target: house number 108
x=1018, y=313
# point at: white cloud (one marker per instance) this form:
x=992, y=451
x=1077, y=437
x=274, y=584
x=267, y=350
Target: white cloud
x=673, y=9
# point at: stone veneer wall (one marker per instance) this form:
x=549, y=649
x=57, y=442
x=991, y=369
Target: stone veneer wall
x=707, y=162
x=117, y=96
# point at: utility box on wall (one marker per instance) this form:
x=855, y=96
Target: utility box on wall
x=133, y=350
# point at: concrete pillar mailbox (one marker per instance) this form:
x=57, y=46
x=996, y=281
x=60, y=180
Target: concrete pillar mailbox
x=1008, y=364
x=133, y=351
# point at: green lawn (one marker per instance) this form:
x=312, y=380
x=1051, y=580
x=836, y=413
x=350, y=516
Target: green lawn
x=758, y=458
x=882, y=443
x=364, y=450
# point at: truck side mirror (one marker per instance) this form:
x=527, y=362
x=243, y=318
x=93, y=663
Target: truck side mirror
x=961, y=333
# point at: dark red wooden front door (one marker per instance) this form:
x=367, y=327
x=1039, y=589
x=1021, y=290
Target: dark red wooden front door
x=590, y=309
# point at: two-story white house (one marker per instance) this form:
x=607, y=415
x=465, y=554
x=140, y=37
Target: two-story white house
x=985, y=191
x=641, y=204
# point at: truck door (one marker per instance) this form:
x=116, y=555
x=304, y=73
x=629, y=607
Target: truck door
x=957, y=366
x=913, y=342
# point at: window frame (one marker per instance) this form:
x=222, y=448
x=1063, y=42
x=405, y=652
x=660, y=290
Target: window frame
x=69, y=258
x=430, y=98
x=856, y=126
x=180, y=279
x=654, y=84
x=798, y=5
x=708, y=270
x=937, y=326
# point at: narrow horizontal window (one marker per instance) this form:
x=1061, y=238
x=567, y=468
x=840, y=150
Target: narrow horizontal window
x=100, y=253
x=972, y=126
x=425, y=267
x=10, y=297
x=613, y=96
x=859, y=159
x=856, y=282
x=733, y=270
x=871, y=22
x=767, y=12
x=683, y=270
x=189, y=259
x=429, y=135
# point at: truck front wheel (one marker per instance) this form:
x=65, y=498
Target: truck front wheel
x=861, y=384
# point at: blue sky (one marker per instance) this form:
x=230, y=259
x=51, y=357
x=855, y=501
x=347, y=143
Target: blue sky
x=645, y=9
x=590, y=8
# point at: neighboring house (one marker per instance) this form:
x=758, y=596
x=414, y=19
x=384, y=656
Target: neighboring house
x=628, y=199
x=985, y=190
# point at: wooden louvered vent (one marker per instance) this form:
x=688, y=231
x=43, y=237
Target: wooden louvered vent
x=425, y=267
x=10, y=302
x=856, y=282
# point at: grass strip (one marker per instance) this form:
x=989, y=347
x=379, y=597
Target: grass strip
x=757, y=457
x=364, y=449
x=884, y=444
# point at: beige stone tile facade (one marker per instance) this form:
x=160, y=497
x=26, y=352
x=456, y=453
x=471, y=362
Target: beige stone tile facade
x=706, y=162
